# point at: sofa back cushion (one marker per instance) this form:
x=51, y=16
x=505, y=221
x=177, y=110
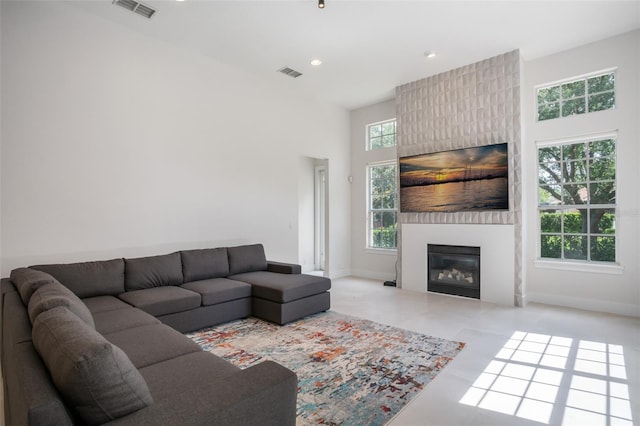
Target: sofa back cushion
x=204, y=264
x=248, y=258
x=52, y=295
x=89, y=279
x=154, y=271
x=96, y=377
x=28, y=280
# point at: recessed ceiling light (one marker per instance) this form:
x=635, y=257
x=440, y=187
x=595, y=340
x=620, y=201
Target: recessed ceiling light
x=430, y=54
x=316, y=62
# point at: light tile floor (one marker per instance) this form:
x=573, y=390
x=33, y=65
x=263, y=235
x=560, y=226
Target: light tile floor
x=522, y=366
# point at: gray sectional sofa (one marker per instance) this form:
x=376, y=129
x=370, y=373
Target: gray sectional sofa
x=101, y=343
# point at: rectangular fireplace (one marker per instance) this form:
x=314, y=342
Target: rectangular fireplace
x=453, y=270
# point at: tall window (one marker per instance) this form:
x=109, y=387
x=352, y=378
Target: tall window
x=577, y=96
x=577, y=199
x=382, y=206
x=381, y=135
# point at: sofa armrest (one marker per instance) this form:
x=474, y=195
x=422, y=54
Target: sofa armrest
x=283, y=268
x=7, y=286
x=265, y=394
x=262, y=395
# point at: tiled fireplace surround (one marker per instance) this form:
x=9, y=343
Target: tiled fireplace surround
x=478, y=104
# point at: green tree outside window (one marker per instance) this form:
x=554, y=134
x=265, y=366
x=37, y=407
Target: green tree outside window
x=381, y=135
x=383, y=206
x=577, y=97
x=577, y=201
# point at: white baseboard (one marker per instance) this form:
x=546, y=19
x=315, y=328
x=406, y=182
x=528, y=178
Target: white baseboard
x=373, y=275
x=626, y=309
x=340, y=273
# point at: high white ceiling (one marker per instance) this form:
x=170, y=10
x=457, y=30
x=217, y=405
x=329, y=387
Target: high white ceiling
x=368, y=47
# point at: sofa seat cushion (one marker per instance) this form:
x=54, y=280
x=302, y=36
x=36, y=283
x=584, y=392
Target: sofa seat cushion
x=283, y=288
x=179, y=374
x=95, y=377
x=153, y=271
x=104, y=303
x=218, y=290
x=87, y=279
x=162, y=300
x=151, y=344
x=248, y=258
x=260, y=395
x=28, y=280
x=122, y=319
x=204, y=264
x=52, y=295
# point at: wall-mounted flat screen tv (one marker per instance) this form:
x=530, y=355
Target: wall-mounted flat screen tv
x=459, y=180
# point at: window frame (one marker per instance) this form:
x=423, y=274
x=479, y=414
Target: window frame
x=368, y=138
x=612, y=267
x=370, y=210
x=586, y=95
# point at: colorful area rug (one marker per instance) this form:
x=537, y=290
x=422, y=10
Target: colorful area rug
x=350, y=371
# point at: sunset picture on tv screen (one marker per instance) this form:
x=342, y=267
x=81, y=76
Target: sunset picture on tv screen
x=459, y=180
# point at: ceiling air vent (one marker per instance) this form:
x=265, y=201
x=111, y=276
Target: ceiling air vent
x=290, y=72
x=136, y=7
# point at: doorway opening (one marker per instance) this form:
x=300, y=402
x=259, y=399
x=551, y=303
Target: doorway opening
x=312, y=215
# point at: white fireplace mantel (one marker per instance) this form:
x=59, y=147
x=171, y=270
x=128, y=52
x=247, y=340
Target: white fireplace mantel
x=497, y=259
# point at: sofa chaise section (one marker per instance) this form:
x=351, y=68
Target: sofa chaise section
x=283, y=300
x=280, y=292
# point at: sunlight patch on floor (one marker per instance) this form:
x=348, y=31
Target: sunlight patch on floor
x=534, y=375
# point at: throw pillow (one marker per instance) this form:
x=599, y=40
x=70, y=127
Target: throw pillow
x=96, y=377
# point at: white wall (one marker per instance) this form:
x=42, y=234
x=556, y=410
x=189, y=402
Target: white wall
x=115, y=144
x=365, y=262
x=583, y=289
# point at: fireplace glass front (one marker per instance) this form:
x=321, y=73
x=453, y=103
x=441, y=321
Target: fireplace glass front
x=454, y=270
